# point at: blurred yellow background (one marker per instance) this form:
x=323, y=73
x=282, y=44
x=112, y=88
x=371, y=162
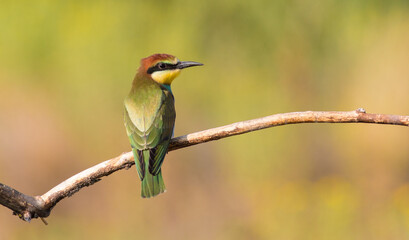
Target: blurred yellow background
x=66, y=66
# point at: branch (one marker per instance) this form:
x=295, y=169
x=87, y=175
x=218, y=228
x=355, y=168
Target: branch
x=28, y=207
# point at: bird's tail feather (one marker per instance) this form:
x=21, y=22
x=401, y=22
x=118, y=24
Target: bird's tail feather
x=151, y=185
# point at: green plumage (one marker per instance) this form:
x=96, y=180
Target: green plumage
x=150, y=117
x=149, y=121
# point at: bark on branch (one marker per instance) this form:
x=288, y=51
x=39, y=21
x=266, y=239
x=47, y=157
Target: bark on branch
x=28, y=207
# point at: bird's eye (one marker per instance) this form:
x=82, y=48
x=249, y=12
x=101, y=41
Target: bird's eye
x=161, y=65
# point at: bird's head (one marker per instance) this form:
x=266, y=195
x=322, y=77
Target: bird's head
x=163, y=68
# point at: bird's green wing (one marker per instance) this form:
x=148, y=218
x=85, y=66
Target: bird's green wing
x=133, y=135
x=166, y=120
x=149, y=126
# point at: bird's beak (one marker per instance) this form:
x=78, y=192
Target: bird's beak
x=181, y=65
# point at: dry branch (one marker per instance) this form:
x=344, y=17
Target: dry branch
x=28, y=207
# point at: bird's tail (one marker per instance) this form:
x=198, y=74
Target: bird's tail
x=152, y=185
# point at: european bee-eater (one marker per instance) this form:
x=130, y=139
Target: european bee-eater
x=150, y=117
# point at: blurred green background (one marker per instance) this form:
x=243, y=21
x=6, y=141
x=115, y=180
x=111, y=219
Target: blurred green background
x=66, y=66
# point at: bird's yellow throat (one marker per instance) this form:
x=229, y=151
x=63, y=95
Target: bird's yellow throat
x=165, y=77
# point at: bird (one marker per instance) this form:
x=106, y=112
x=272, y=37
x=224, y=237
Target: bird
x=149, y=117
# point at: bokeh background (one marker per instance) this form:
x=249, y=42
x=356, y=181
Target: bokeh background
x=66, y=66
